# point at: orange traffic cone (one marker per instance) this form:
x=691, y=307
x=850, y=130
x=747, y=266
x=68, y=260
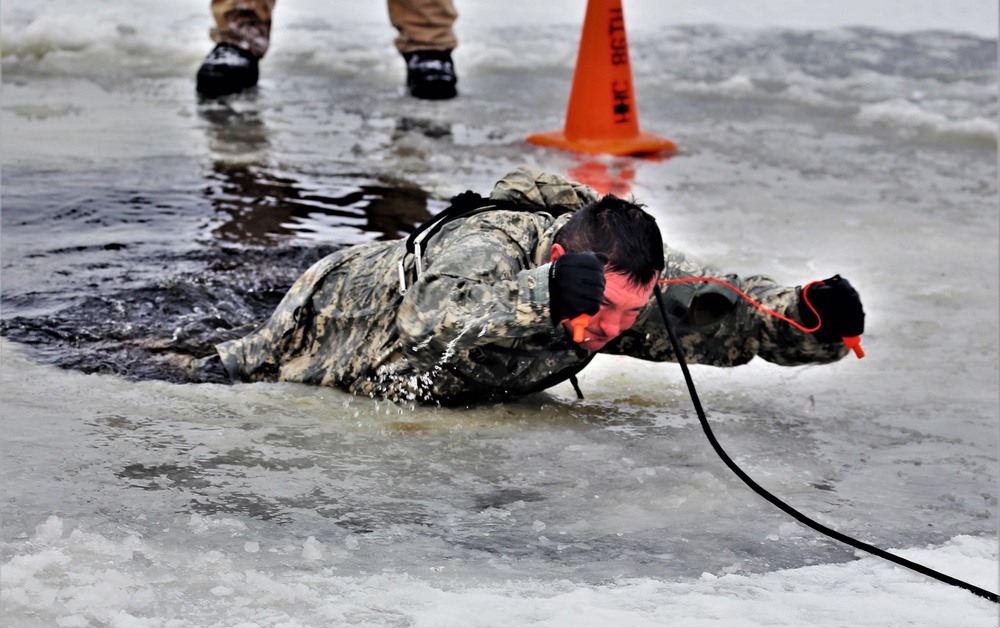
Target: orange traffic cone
x=602, y=117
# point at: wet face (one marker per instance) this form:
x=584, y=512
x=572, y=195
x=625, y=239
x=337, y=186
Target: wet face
x=621, y=305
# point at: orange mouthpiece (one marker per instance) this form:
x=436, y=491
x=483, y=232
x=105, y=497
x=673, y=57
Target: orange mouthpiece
x=579, y=325
x=854, y=344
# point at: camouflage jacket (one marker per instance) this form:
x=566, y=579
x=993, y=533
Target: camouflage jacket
x=476, y=325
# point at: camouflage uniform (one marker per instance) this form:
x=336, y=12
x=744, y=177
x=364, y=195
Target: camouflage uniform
x=476, y=325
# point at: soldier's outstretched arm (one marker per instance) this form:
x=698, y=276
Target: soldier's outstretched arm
x=718, y=327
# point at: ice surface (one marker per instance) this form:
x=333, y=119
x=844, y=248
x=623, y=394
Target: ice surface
x=858, y=138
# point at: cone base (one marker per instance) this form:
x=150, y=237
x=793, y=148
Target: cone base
x=641, y=144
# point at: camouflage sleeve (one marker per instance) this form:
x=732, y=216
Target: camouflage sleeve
x=477, y=287
x=718, y=327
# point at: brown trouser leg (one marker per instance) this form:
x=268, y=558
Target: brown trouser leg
x=243, y=23
x=422, y=24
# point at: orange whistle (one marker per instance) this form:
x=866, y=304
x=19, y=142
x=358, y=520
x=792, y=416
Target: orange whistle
x=854, y=344
x=579, y=325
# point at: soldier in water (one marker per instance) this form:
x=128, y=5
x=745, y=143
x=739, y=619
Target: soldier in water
x=479, y=306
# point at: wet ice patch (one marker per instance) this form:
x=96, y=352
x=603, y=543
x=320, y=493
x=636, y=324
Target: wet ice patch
x=200, y=524
x=912, y=120
x=312, y=549
x=49, y=531
x=85, y=578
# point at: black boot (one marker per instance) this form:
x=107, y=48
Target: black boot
x=430, y=74
x=226, y=70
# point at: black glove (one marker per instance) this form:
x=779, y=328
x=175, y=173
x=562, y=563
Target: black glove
x=468, y=201
x=839, y=308
x=576, y=285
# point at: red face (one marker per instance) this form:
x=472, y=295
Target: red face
x=621, y=305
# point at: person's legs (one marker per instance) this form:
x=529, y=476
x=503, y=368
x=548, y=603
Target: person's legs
x=425, y=40
x=245, y=24
x=242, y=33
x=423, y=24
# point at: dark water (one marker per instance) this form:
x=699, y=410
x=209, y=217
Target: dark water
x=134, y=277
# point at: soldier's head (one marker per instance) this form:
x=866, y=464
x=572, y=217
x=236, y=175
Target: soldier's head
x=628, y=235
x=620, y=229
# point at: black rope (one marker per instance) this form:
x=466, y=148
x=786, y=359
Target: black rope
x=843, y=538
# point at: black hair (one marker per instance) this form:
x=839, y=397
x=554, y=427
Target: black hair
x=620, y=229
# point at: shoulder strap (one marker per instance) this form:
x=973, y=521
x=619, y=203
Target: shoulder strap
x=463, y=205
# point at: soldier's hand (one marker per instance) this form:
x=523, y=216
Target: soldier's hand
x=467, y=200
x=576, y=285
x=839, y=308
